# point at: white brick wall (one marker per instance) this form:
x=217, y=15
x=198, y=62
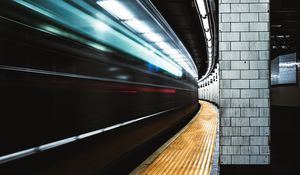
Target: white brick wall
x=239, y=65
x=259, y=45
x=225, y=141
x=224, y=27
x=249, y=55
x=230, y=36
x=249, y=17
x=239, y=7
x=249, y=131
x=249, y=74
x=230, y=74
x=240, y=159
x=249, y=150
x=239, y=83
x=249, y=36
x=232, y=17
x=239, y=27
x=244, y=81
x=249, y=93
x=261, y=26
x=231, y=112
x=239, y=45
x=229, y=93
x=224, y=45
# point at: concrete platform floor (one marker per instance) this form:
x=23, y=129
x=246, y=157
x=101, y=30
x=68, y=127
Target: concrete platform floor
x=188, y=152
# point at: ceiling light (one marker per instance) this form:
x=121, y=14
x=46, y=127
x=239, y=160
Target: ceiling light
x=205, y=23
x=202, y=7
x=209, y=43
x=209, y=50
x=208, y=35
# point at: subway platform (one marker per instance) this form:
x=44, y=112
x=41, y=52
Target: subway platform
x=112, y=87
x=190, y=151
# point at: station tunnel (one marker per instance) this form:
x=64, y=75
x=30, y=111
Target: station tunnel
x=149, y=87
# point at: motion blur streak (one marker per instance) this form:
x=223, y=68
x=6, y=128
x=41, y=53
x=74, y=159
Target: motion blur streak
x=95, y=28
x=69, y=71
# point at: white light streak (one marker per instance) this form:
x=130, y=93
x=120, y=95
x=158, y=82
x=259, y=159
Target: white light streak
x=202, y=7
x=30, y=151
x=209, y=50
x=209, y=43
x=154, y=37
x=100, y=26
x=117, y=9
x=205, y=23
x=138, y=26
x=171, y=51
x=208, y=35
x=163, y=45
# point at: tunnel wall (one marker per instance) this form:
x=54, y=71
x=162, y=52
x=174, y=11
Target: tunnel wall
x=244, y=82
x=209, y=87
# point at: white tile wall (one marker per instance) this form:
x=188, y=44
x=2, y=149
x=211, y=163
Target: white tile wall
x=244, y=81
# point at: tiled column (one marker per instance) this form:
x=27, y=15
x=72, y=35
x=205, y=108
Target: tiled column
x=244, y=81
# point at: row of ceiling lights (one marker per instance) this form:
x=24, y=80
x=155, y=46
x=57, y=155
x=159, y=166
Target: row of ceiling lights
x=121, y=12
x=213, y=77
x=207, y=28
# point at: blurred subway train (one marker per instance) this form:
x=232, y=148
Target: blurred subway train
x=80, y=92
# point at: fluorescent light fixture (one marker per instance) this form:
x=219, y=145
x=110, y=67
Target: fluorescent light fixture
x=154, y=37
x=209, y=43
x=163, y=45
x=209, y=50
x=138, y=26
x=202, y=7
x=209, y=54
x=116, y=8
x=205, y=23
x=208, y=35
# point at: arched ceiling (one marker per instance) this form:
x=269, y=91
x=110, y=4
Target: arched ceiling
x=182, y=16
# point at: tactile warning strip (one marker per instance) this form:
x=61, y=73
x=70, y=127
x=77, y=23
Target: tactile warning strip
x=190, y=151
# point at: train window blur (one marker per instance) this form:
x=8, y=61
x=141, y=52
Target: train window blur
x=95, y=29
x=69, y=69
